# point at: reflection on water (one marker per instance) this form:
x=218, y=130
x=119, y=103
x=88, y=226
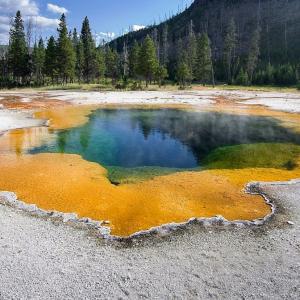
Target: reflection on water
x=162, y=137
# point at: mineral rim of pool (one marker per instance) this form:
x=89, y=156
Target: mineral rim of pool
x=140, y=168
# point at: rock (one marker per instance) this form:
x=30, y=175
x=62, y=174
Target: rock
x=291, y=223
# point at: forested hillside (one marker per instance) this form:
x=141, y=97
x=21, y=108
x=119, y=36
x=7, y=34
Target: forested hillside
x=240, y=42
x=267, y=30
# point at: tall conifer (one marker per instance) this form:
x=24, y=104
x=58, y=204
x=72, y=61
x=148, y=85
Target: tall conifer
x=89, y=52
x=65, y=52
x=50, y=65
x=203, y=60
x=148, y=60
x=18, y=56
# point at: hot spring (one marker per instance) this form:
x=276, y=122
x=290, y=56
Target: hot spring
x=140, y=168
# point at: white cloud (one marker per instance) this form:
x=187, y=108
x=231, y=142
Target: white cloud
x=29, y=10
x=137, y=27
x=56, y=9
x=109, y=35
x=44, y=22
x=27, y=7
x=101, y=37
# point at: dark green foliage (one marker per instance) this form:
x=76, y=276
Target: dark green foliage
x=51, y=64
x=38, y=62
x=203, y=70
x=65, y=52
x=285, y=75
x=220, y=41
x=148, y=62
x=161, y=74
x=134, y=56
x=242, y=78
x=112, y=64
x=18, y=56
x=101, y=67
x=282, y=75
x=183, y=75
x=253, y=54
x=229, y=51
x=89, y=52
x=191, y=51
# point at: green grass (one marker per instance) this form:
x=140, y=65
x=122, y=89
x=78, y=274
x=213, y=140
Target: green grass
x=118, y=175
x=280, y=156
x=108, y=86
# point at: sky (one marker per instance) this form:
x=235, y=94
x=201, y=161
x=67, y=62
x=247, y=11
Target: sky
x=108, y=18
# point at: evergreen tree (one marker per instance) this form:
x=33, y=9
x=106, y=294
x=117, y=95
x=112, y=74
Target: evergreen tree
x=269, y=77
x=65, y=52
x=38, y=61
x=79, y=55
x=164, y=59
x=161, y=74
x=100, y=63
x=134, y=55
x=18, y=56
x=192, y=50
x=204, y=68
x=112, y=64
x=125, y=61
x=253, y=54
x=285, y=75
x=229, y=50
x=183, y=74
x=148, y=61
x=89, y=52
x=75, y=39
x=79, y=65
x=50, y=65
x=242, y=78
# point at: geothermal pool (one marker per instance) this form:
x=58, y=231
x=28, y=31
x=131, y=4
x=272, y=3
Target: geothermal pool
x=139, y=168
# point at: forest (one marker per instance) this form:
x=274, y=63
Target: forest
x=74, y=57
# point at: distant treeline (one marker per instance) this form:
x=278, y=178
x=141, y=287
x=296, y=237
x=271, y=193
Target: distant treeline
x=74, y=57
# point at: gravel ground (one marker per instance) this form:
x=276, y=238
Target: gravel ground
x=40, y=259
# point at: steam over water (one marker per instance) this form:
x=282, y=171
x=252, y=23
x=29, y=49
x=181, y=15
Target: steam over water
x=162, y=137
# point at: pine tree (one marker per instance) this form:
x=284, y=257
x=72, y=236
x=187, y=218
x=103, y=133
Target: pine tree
x=203, y=60
x=50, y=65
x=252, y=59
x=79, y=65
x=89, y=52
x=229, y=50
x=148, y=61
x=191, y=49
x=75, y=38
x=161, y=74
x=38, y=61
x=18, y=56
x=134, y=55
x=125, y=61
x=242, y=78
x=79, y=55
x=183, y=74
x=164, y=59
x=112, y=64
x=269, y=78
x=101, y=63
x=65, y=52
